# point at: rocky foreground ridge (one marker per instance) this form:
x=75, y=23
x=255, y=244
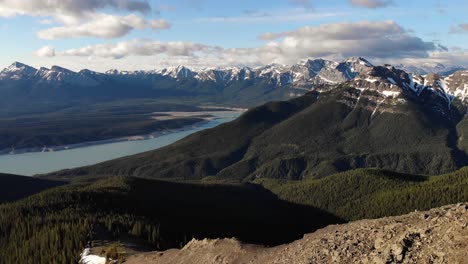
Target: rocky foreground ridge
x=436, y=236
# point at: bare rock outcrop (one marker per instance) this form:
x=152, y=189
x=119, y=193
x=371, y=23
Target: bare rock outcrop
x=436, y=236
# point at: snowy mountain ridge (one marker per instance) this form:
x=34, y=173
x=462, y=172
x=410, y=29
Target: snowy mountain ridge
x=306, y=75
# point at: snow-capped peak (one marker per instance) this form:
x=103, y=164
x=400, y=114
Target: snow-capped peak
x=17, y=71
x=358, y=60
x=177, y=72
x=390, y=81
x=61, y=69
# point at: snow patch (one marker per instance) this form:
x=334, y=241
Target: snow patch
x=87, y=258
x=449, y=97
x=390, y=93
x=327, y=80
x=372, y=80
x=391, y=80
x=377, y=106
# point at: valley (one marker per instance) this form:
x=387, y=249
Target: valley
x=77, y=126
x=233, y=132
x=46, y=160
x=380, y=143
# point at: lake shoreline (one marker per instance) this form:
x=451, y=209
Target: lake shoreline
x=102, y=142
x=152, y=135
x=35, y=163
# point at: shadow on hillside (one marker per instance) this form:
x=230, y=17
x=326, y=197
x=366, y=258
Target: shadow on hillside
x=248, y=212
x=13, y=187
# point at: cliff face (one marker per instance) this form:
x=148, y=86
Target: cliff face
x=436, y=236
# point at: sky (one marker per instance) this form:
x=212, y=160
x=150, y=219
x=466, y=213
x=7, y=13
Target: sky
x=155, y=34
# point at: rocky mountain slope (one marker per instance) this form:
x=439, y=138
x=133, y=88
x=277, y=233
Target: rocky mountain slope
x=436, y=236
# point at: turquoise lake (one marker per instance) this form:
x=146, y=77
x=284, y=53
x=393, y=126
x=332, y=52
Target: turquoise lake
x=32, y=163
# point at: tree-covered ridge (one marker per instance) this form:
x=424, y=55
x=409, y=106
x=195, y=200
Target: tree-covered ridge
x=371, y=193
x=55, y=225
x=312, y=136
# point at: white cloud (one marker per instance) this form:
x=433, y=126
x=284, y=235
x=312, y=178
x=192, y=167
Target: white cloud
x=458, y=57
x=102, y=26
x=371, y=39
x=68, y=7
x=46, y=51
x=271, y=36
x=82, y=18
x=140, y=48
x=374, y=40
x=371, y=3
x=160, y=24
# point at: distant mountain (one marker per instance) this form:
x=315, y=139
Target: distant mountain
x=239, y=86
x=427, y=68
x=384, y=118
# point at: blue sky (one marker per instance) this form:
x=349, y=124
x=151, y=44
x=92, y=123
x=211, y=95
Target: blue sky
x=138, y=34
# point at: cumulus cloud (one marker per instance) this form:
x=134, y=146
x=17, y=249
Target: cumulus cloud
x=102, y=26
x=159, y=24
x=371, y=3
x=82, y=18
x=370, y=39
x=375, y=40
x=271, y=36
x=456, y=57
x=75, y=8
x=140, y=48
x=46, y=51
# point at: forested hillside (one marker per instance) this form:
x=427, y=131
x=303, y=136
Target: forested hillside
x=55, y=225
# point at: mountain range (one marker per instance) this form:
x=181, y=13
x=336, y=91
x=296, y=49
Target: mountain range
x=427, y=68
x=340, y=142
x=240, y=86
x=384, y=118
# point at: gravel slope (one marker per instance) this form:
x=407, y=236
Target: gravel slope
x=436, y=236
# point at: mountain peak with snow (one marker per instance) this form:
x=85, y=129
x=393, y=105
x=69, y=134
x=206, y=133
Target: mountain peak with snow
x=56, y=68
x=177, y=72
x=301, y=77
x=17, y=71
x=358, y=60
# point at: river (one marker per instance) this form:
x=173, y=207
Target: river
x=32, y=163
